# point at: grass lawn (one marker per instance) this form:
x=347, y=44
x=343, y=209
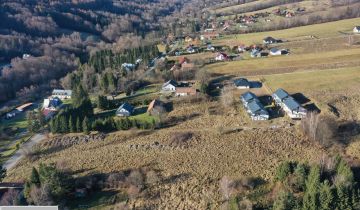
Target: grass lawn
x=280, y=64
x=144, y=117
x=9, y=147
x=324, y=30
x=316, y=82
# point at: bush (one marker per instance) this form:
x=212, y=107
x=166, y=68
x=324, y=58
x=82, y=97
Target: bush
x=283, y=171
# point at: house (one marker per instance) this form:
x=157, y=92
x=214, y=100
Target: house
x=190, y=49
x=271, y=40
x=26, y=56
x=125, y=110
x=258, y=54
x=209, y=36
x=242, y=83
x=52, y=104
x=169, y=86
x=221, y=57
x=128, y=66
x=257, y=111
x=188, y=39
x=183, y=60
x=210, y=47
x=241, y=48
x=292, y=108
x=248, y=97
x=48, y=114
x=356, y=29
x=185, y=91
x=254, y=107
x=275, y=51
x=62, y=94
x=155, y=107
x=24, y=107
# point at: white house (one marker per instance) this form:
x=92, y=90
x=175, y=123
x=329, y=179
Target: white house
x=275, y=51
x=169, y=86
x=356, y=29
x=254, y=107
x=62, y=94
x=221, y=57
x=125, y=110
x=52, y=104
x=248, y=97
x=242, y=83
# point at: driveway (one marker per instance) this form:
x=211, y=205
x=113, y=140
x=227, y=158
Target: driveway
x=11, y=162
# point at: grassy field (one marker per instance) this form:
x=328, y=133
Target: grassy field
x=325, y=30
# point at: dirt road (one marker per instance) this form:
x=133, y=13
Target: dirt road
x=11, y=162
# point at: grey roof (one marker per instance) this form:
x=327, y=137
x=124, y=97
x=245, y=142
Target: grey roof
x=281, y=93
x=248, y=96
x=291, y=103
x=62, y=92
x=241, y=82
x=270, y=39
x=274, y=50
x=357, y=27
x=126, y=106
x=172, y=82
x=255, y=107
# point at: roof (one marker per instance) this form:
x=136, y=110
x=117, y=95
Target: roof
x=269, y=38
x=154, y=103
x=241, y=82
x=170, y=82
x=281, y=93
x=187, y=65
x=291, y=103
x=256, y=107
x=183, y=60
x=126, y=106
x=52, y=102
x=274, y=50
x=357, y=28
x=24, y=106
x=248, y=96
x=61, y=92
x=188, y=90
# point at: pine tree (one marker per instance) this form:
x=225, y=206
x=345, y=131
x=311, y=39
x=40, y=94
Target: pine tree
x=34, y=178
x=344, y=198
x=284, y=201
x=78, y=125
x=86, y=125
x=64, y=124
x=72, y=127
x=326, y=196
x=300, y=177
x=283, y=171
x=310, y=200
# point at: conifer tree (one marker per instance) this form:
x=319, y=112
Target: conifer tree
x=72, y=127
x=34, y=178
x=326, y=196
x=310, y=200
x=78, y=125
x=86, y=125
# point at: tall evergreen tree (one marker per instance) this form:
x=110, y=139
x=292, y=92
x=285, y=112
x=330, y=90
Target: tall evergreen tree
x=86, y=125
x=326, y=196
x=78, y=125
x=72, y=126
x=34, y=178
x=311, y=200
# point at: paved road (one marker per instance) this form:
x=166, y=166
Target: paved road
x=11, y=162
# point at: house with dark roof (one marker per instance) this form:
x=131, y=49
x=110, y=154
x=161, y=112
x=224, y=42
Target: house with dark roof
x=242, y=83
x=271, y=40
x=169, y=86
x=254, y=107
x=125, y=110
x=53, y=104
x=276, y=51
x=356, y=29
x=248, y=97
x=292, y=108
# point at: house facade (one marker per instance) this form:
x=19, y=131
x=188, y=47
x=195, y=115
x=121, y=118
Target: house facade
x=185, y=91
x=52, y=104
x=356, y=29
x=221, y=57
x=125, y=110
x=61, y=94
x=291, y=107
x=169, y=86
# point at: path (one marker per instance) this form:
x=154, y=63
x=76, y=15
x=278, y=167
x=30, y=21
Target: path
x=14, y=159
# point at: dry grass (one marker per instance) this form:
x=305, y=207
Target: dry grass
x=209, y=156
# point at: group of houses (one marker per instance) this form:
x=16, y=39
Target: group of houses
x=281, y=98
x=154, y=108
x=184, y=64
x=54, y=103
x=18, y=110
x=179, y=89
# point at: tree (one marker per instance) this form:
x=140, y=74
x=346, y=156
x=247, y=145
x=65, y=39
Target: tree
x=326, y=196
x=86, y=125
x=2, y=173
x=78, y=125
x=311, y=197
x=102, y=102
x=284, y=201
x=34, y=178
x=299, y=177
x=283, y=171
x=72, y=126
